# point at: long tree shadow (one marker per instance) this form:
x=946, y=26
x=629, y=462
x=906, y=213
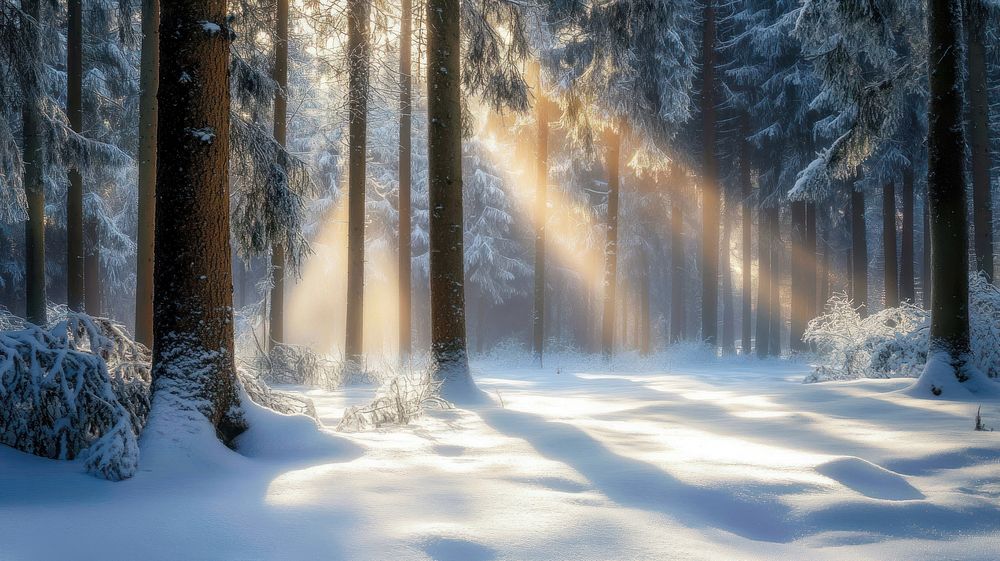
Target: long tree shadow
x=751, y=511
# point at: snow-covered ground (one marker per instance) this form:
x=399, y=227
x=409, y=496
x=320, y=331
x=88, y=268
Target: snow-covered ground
x=736, y=460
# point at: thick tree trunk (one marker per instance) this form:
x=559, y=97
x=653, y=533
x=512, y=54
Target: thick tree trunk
x=405, y=166
x=541, y=215
x=34, y=191
x=613, y=147
x=276, y=318
x=764, y=278
x=193, y=363
x=149, y=69
x=74, y=192
x=800, y=288
x=949, y=338
x=747, y=224
x=677, y=270
x=979, y=136
x=859, y=251
x=711, y=189
x=358, y=49
x=889, y=256
x=906, y=257
x=449, y=356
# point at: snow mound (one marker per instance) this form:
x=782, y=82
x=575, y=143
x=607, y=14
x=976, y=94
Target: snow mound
x=274, y=435
x=938, y=380
x=870, y=480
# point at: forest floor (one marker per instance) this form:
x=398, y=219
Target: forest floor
x=733, y=460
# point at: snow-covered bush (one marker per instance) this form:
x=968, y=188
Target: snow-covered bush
x=282, y=402
x=77, y=389
x=893, y=342
x=398, y=401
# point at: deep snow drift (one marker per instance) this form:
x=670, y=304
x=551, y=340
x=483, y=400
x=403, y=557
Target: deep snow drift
x=732, y=460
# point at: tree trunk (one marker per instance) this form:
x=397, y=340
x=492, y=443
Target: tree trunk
x=92, y=265
x=276, y=319
x=711, y=194
x=777, y=249
x=799, y=262
x=646, y=336
x=979, y=136
x=541, y=215
x=34, y=191
x=74, y=192
x=925, y=280
x=405, y=166
x=728, y=314
x=449, y=356
x=613, y=147
x=949, y=338
x=358, y=49
x=747, y=223
x=859, y=252
x=812, y=261
x=889, y=256
x=764, y=277
x=149, y=68
x=481, y=324
x=906, y=290
x=677, y=270
x=824, y=273
x=193, y=363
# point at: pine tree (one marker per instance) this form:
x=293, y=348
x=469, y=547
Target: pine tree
x=405, y=178
x=34, y=188
x=193, y=363
x=977, y=14
x=279, y=73
x=148, y=84
x=74, y=193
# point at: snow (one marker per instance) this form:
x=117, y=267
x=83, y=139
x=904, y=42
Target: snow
x=657, y=459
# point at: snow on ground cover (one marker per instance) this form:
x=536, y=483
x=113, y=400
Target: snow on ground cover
x=652, y=460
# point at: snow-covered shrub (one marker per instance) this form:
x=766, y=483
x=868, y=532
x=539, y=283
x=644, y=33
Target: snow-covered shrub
x=893, y=342
x=282, y=402
x=78, y=389
x=398, y=401
x=984, y=316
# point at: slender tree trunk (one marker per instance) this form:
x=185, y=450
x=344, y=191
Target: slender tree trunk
x=193, y=362
x=711, y=190
x=764, y=278
x=481, y=324
x=358, y=49
x=824, y=273
x=979, y=136
x=728, y=314
x=276, y=318
x=747, y=223
x=449, y=356
x=149, y=68
x=74, y=192
x=34, y=191
x=925, y=280
x=613, y=147
x=677, y=272
x=812, y=262
x=646, y=336
x=889, y=256
x=405, y=166
x=949, y=338
x=92, y=265
x=799, y=262
x=777, y=249
x=859, y=251
x=906, y=257
x=541, y=216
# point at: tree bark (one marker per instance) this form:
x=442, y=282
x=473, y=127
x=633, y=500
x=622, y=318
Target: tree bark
x=906, y=257
x=889, y=257
x=93, y=301
x=405, y=167
x=728, y=314
x=859, y=252
x=541, y=216
x=613, y=154
x=149, y=68
x=193, y=363
x=358, y=50
x=777, y=249
x=946, y=188
x=711, y=194
x=34, y=191
x=747, y=224
x=449, y=356
x=677, y=270
x=764, y=277
x=979, y=136
x=812, y=262
x=646, y=336
x=799, y=262
x=74, y=193
x=276, y=317
x=925, y=280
